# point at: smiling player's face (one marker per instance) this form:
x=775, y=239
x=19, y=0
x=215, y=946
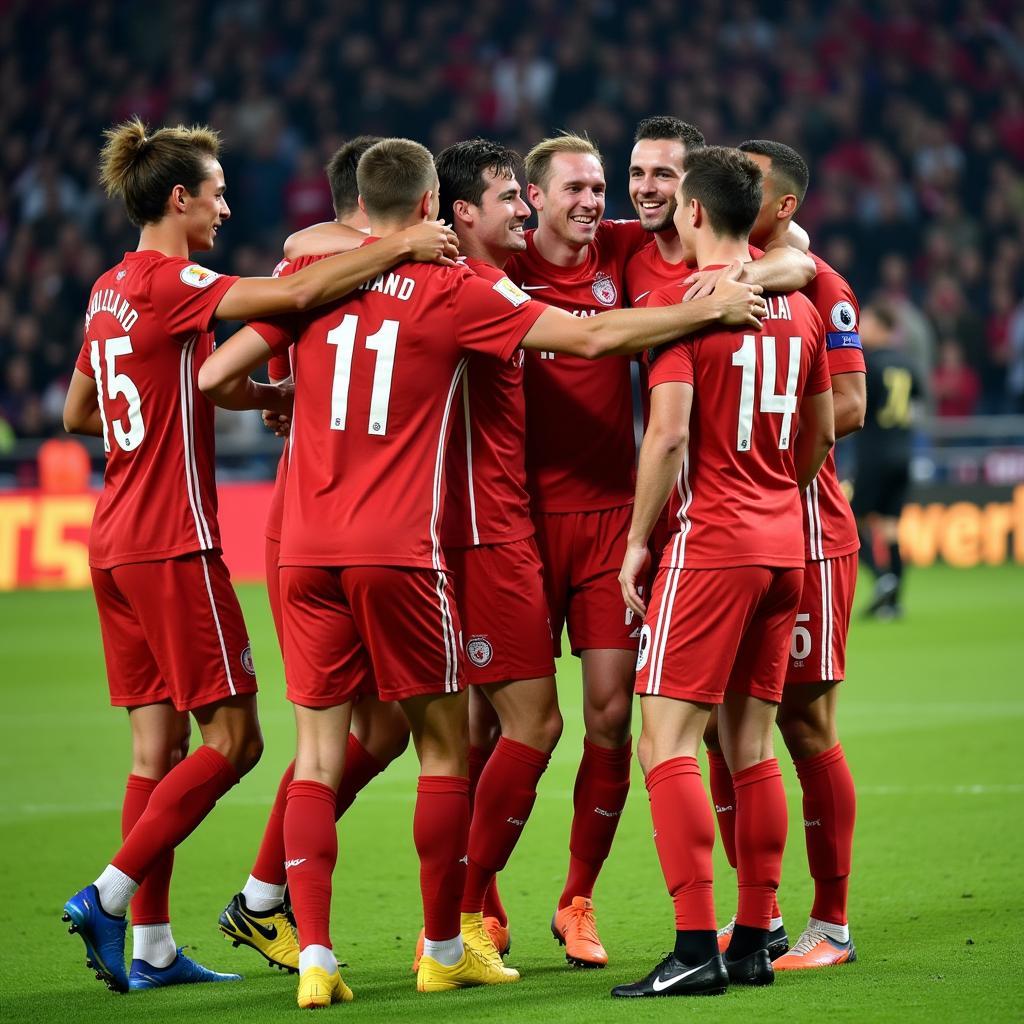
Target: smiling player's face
x=572, y=203
x=205, y=212
x=501, y=215
x=654, y=172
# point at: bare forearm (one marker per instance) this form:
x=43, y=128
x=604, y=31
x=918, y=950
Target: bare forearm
x=811, y=450
x=244, y=393
x=780, y=270
x=91, y=426
x=660, y=461
x=625, y=331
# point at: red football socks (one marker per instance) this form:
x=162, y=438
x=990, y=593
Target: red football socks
x=724, y=798
x=761, y=822
x=361, y=767
x=150, y=904
x=311, y=848
x=830, y=809
x=440, y=829
x=493, y=907
x=269, y=866
x=505, y=797
x=602, y=785
x=684, y=833
x=178, y=803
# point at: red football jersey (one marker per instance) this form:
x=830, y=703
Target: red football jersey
x=147, y=332
x=487, y=501
x=830, y=529
x=648, y=270
x=737, y=499
x=377, y=379
x=580, y=444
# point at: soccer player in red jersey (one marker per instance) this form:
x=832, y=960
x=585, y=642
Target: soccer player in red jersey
x=256, y=916
x=364, y=582
x=655, y=168
x=725, y=411
x=817, y=662
x=174, y=639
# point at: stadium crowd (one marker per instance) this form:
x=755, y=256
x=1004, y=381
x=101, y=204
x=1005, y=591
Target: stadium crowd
x=911, y=115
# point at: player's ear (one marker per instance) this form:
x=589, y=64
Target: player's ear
x=362, y=204
x=536, y=197
x=179, y=197
x=696, y=213
x=787, y=207
x=463, y=210
x=427, y=204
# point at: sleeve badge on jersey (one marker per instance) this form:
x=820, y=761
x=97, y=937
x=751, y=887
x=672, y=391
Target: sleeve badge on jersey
x=844, y=316
x=508, y=290
x=196, y=276
x=604, y=290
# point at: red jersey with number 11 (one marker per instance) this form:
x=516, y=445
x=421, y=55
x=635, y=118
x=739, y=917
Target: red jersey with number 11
x=736, y=495
x=147, y=332
x=376, y=382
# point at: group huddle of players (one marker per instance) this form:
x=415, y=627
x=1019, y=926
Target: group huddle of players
x=460, y=483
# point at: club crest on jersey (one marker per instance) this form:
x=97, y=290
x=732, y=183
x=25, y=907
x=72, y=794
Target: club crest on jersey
x=604, y=290
x=644, y=650
x=479, y=651
x=508, y=290
x=247, y=662
x=843, y=316
x=196, y=276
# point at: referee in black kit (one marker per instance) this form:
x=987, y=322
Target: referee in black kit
x=883, y=454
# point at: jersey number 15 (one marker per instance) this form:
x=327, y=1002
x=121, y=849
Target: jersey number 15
x=746, y=358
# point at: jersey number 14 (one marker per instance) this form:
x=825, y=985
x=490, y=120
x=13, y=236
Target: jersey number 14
x=746, y=358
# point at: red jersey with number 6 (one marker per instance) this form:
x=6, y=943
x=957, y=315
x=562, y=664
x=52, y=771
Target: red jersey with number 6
x=147, y=332
x=376, y=380
x=830, y=529
x=580, y=445
x=736, y=495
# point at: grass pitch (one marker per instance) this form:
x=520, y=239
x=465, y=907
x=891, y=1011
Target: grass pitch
x=931, y=720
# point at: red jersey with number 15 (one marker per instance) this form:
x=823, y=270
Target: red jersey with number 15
x=376, y=381
x=147, y=332
x=580, y=446
x=736, y=495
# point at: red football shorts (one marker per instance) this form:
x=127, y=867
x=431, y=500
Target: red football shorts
x=349, y=629
x=173, y=631
x=499, y=589
x=712, y=630
x=818, y=651
x=582, y=554
x=271, y=553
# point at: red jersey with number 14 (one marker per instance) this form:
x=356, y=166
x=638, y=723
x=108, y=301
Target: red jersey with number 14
x=376, y=381
x=736, y=495
x=147, y=332
x=580, y=446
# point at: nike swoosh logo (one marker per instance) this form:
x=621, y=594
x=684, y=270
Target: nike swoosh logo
x=642, y=295
x=660, y=984
x=533, y=287
x=268, y=933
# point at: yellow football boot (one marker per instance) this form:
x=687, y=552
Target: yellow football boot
x=477, y=938
x=271, y=934
x=473, y=969
x=318, y=989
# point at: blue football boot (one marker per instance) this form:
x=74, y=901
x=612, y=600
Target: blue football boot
x=182, y=970
x=102, y=934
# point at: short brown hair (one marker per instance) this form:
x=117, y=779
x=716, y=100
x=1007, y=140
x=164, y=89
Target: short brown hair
x=341, y=173
x=538, y=160
x=143, y=168
x=392, y=176
x=727, y=184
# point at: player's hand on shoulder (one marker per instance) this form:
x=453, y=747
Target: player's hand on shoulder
x=741, y=304
x=433, y=242
x=635, y=567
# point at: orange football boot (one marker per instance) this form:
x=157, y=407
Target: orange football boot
x=816, y=949
x=575, y=928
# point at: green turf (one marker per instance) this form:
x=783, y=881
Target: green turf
x=931, y=720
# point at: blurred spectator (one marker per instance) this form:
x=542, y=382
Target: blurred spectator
x=955, y=386
x=911, y=118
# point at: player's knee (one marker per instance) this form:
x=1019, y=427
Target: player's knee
x=644, y=753
x=805, y=735
x=243, y=748
x=609, y=724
